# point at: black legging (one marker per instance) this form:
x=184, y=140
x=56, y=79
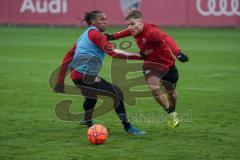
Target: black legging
x=90, y=88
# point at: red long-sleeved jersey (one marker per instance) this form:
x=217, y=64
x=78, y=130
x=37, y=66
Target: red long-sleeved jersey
x=158, y=47
x=101, y=41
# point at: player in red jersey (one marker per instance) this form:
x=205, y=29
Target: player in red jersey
x=160, y=52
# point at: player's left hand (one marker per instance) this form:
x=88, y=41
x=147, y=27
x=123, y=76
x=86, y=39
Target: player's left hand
x=142, y=55
x=182, y=57
x=59, y=88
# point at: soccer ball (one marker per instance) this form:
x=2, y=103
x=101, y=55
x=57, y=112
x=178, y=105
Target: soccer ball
x=97, y=134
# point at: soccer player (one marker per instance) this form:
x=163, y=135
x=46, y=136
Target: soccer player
x=160, y=52
x=85, y=60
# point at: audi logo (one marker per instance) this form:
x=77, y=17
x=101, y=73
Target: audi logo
x=219, y=7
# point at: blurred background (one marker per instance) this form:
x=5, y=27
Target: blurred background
x=159, y=12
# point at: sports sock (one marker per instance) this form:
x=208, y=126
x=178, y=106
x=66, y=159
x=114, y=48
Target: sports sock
x=88, y=106
x=170, y=109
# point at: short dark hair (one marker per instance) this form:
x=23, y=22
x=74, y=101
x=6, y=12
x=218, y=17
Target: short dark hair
x=91, y=15
x=134, y=14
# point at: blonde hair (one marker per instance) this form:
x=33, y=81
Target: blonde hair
x=134, y=14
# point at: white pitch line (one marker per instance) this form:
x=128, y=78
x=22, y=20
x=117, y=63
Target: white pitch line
x=203, y=89
x=214, y=75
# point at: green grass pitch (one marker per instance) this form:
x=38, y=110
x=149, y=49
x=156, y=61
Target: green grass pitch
x=208, y=91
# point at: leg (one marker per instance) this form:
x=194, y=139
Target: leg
x=154, y=78
x=154, y=85
x=169, y=83
x=120, y=110
x=88, y=106
x=111, y=90
x=104, y=88
x=91, y=88
x=172, y=94
x=173, y=98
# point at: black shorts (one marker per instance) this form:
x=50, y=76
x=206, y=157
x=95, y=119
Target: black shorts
x=170, y=76
x=92, y=86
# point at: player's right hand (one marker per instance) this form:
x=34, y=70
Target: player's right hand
x=59, y=88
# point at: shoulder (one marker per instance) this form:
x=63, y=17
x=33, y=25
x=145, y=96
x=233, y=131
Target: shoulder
x=153, y=31
x=94, y=32
x=150, y=28
x=95, y=35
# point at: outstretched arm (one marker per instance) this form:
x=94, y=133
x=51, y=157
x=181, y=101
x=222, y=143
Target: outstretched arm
x=101, y=41
x=117, y=35
x=59, y=88
x=116, y=53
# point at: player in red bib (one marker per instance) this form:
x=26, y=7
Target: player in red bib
x=160, y=52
